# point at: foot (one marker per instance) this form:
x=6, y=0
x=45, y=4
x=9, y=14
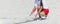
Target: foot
x=43, y=18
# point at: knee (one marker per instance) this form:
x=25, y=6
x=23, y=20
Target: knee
x=42, y=13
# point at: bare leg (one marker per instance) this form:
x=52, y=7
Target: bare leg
x=39, y=8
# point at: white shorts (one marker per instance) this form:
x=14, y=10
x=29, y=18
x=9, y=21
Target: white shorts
x=37, y=3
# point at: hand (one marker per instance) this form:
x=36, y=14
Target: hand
x=30, y=14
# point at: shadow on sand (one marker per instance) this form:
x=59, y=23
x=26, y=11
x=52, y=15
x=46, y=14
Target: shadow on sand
x=31, y=20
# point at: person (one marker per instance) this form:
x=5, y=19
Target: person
x=41, y=7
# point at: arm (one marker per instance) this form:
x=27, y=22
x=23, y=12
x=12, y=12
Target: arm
x=33, y=10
